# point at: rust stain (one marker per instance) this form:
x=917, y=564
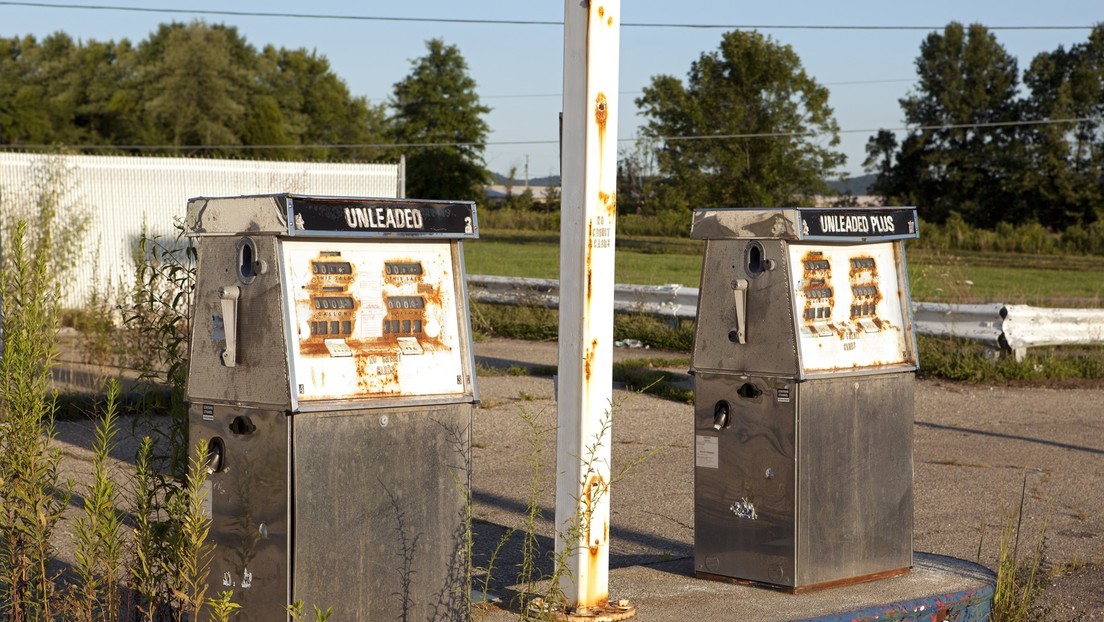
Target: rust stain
x=819, y=297
x=863, y=264
x=866, y=295
x=591, y=492
x=588, y=360
x=601, y=115
x=609, y=201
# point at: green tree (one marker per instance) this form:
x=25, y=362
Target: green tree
x=25, y=115
x=436, y=105
x=1067, y=159
x=774, y=129
x=195, y=83
x=303, y=102
x=191, y=84
x=966, y=151
x=881, y=150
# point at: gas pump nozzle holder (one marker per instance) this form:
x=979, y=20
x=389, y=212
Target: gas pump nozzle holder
x=803, y=366
x=331, y=368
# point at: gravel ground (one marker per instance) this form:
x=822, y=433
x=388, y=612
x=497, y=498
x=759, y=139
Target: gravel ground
x=975, y=448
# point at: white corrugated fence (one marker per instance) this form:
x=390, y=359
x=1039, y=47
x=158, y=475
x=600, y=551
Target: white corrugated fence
x=126, y=195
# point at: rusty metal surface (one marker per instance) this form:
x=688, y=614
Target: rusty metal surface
x=375, y=320
x=852, y=307
x=588, y=229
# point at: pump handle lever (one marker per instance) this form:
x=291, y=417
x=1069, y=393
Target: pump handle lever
x=229, y=297
x=739, y=292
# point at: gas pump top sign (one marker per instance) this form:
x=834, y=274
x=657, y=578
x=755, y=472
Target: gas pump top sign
x=352, y=217
x=849, y=224
x=830, y=225
x=332, y=217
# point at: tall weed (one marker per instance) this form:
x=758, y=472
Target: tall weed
x=1020, y=581
x=32, y=495
x=98, y=534
x=156, y=321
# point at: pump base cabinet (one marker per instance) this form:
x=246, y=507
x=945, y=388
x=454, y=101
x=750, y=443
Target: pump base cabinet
x=808, y=488
x=332, y=378
x=803, y=377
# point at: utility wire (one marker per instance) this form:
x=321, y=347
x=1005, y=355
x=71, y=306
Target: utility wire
x=631, y=93
x=498, y=22
x=497, y=143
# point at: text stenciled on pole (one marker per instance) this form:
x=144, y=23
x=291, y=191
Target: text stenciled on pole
x=601, y=233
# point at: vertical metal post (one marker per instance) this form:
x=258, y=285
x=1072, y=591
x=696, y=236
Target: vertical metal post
x=589, y=181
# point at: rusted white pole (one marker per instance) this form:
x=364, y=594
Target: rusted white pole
x=588, y=171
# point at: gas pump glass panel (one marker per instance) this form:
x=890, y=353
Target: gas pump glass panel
x=373, y=320
x=847, y=303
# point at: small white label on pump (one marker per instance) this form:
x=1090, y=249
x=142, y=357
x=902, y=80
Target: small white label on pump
x=706, y=453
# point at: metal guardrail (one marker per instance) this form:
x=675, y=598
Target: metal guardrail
x=1000, y=327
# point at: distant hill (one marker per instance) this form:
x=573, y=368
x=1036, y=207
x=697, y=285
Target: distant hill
x=856, y=186
x=548, y=180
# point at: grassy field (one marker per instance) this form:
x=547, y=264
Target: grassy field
x=1043, y=281
x=1048, y=281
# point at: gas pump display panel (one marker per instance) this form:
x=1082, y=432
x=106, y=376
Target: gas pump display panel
x=377, y=320
x=848, y=306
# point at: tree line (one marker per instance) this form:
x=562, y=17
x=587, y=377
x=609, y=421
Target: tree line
x=993, y=149
x=747, y=127
x=199, y=89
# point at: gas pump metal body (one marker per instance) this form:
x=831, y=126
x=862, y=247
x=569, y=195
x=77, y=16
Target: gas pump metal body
x=331, y=371
x=804, y=359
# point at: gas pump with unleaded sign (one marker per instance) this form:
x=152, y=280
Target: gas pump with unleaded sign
x=331, y=373
x=803, y=366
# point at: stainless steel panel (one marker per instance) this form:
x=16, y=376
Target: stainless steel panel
x=379, y=510
x=261, y=375
x=812, y=481
x=254, y=215
x=732, y=223
x=854, y=477
x=771, y=347
x=248, y=498
x=744, y=503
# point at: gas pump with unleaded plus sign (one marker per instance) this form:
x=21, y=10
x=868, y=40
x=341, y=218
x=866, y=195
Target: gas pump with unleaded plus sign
x=803, y=363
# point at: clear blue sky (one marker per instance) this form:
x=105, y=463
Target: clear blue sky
x=518, y=68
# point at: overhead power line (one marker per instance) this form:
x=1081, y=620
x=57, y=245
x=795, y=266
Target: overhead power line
x=494, y=143
x=906, y=128
x=631, y=93
x=502, y=22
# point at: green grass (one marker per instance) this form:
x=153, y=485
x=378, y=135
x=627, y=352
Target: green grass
x=1040, y=280
x=961, y=277
x=538, y=257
